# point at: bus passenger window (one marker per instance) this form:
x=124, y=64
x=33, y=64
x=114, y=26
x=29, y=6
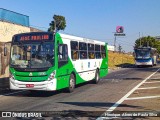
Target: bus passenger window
x=98, y=55
x=91, y=49
x=74, y=50
x=91, y=55
x=103, y=51
x=74, y=54
x=83, y=55
x=97, y=52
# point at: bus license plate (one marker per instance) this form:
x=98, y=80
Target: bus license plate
x=29, y=85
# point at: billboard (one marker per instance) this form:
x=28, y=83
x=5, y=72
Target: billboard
x=119, y=29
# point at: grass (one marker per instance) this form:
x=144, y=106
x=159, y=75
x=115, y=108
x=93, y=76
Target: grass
x=119, y=59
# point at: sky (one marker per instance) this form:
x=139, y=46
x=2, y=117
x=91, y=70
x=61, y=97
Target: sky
x=94, y=19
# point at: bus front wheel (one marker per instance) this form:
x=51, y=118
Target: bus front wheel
x=72, y=84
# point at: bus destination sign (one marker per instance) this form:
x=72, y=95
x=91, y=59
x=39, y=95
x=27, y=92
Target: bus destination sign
x=34, y=37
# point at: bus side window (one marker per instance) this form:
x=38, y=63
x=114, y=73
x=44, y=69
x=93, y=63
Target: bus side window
x=74, y=50
x=83, y=50
x=97, y=51
x=91, y=55
x=91, y=51
x=103, y=51
x=98, y=55
x=83, y=54
x=74, y=55
x=62, y=55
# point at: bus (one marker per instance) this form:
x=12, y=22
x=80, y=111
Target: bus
x=145, y=56
x=48, y=62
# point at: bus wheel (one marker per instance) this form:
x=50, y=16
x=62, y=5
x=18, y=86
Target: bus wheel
x=97, y=78
x=72, y=83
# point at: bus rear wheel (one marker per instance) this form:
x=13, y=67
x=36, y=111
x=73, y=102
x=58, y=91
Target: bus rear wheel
x=72, y=84
x=97, y=77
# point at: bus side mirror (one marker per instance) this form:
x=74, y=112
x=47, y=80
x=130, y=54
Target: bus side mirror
x=5, y=50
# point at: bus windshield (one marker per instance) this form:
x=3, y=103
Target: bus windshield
x=35, y=55
x=142, y=54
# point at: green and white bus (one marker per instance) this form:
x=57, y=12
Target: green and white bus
x=49, y=62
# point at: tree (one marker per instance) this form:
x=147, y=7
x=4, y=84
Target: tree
x=148, y=42
x=59, y=22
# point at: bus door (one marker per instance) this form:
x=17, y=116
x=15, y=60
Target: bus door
x=63, y=67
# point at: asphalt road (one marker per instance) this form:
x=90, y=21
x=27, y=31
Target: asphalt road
x=86, y=97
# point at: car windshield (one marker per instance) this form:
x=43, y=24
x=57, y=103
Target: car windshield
x=142, y=54
x=36, y=55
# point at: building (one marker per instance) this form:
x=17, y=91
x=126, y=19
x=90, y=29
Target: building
x=110, y=48
x=11, y=23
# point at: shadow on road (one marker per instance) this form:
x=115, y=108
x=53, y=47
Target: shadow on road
x=126, y=65
x=4, y=85
x=97, y=104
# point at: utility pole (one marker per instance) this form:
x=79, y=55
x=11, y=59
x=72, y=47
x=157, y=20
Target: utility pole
x=115, y=43
x=55, y=28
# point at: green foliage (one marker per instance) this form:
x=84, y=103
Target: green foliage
x=60, y=23
x=148, y=42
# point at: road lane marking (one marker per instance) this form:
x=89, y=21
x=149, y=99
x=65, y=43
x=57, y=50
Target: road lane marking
x=124, y=97
x=130, y=92
x=148, y=88
x=153, y=82
x=12, y=93
x=138, y=98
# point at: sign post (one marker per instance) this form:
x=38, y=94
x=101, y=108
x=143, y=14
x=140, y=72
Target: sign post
x=119, y=32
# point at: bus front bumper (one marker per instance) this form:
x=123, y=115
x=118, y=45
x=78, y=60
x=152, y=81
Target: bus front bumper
x=143, y=63
x=44, y=85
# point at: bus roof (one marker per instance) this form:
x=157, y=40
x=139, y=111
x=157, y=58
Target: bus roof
x=81, y=39
x=144, y=48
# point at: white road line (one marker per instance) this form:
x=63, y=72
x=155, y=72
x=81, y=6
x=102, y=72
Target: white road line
x=12, y=93
x=138, y=98
x=153, y=82
x=155, y=79
x=124, y=97
x=148, y=88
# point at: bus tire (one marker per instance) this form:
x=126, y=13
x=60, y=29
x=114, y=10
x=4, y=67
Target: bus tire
x=72, y=84
x=97, y=77
x=152, y=64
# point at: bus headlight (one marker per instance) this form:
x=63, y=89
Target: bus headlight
x=52, y=75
